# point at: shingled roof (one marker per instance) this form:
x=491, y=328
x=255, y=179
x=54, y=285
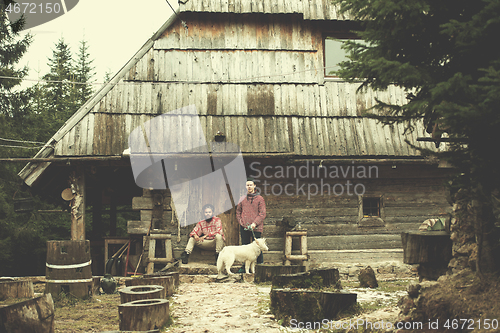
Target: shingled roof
x=248, y=78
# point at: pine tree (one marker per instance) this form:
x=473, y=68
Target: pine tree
x=442, y=54
x=108, y=76
x=60, y=91
x=84, y=73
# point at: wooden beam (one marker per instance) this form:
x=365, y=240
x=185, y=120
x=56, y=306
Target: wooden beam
x=78, y=204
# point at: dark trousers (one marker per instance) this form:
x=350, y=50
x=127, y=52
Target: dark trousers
x=247, y=238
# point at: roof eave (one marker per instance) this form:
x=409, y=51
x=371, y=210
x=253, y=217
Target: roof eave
x=32, y=171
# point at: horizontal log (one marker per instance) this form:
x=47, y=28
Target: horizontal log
x=342, y=242
x=147, y=203
x=159, y=234
x=296, y=233
x=296, y=257
x=159, y=260
x=138, y=227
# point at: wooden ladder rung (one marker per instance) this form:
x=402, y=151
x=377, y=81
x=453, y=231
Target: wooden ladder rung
x=152, y=249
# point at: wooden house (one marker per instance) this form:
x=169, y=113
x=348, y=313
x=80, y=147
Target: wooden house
x=259, y=75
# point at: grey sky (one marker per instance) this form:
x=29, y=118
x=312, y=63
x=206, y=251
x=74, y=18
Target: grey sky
x=114, y=30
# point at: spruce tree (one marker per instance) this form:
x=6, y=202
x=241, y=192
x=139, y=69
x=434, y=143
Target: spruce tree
x=60, y=90
x=84, y=73
x=442, y=53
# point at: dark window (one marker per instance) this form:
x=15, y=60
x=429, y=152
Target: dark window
x=371, y=207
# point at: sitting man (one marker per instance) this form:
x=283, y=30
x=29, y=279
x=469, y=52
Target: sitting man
x=207, y=235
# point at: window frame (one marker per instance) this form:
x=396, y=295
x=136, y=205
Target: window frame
x=371, y=221
x=340, y=35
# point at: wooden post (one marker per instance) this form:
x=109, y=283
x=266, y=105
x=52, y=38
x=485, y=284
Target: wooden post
x=78, y=205
x=288, y=249
x=231, y=227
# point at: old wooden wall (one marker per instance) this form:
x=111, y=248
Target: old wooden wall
x=410, y=193
x=247, y=75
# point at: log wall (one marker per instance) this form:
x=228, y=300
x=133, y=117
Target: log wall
x=410, y=193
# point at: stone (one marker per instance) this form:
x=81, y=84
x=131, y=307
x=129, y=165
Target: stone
x=413, y=290
x=367, y=278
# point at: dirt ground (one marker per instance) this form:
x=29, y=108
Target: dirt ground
x=201, y=306
x=222, y=307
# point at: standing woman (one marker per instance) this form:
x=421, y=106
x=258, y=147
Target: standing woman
x=251, y=212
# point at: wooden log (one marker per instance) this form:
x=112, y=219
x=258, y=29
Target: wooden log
x=302, y=257
x=426, y=247
x=315, y=279
x=138, y=227
x=35, y=315
x=309, y=306
x=264, y=272
x=78, y=204
x=16, y=289
x=143, y=315
x=175, y=275
x=167, y=282
x=230, y=226
x=135, y=293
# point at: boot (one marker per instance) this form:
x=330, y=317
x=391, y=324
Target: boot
x=185, y=257
x=216, y=257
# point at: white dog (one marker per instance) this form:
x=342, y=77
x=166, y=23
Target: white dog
x=243, y=253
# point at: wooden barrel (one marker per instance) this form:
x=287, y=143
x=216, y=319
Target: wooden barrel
x=135, y=293
x=69, y=268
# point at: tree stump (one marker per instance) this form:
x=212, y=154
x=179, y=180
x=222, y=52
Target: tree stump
x=316, y=279
x=430, y=249
x=135, y=293
x=309, y=306
x=175, y=275
x=16, y=289
x=265, y=273
x=143, y=315
x=34, y=315
x=167, y=282
x=426, y=247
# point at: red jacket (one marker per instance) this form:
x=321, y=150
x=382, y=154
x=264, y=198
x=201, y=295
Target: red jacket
x=251, y=209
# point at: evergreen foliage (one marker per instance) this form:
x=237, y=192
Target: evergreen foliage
x=442, y=53
x=32, y=114
x=84, y=74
